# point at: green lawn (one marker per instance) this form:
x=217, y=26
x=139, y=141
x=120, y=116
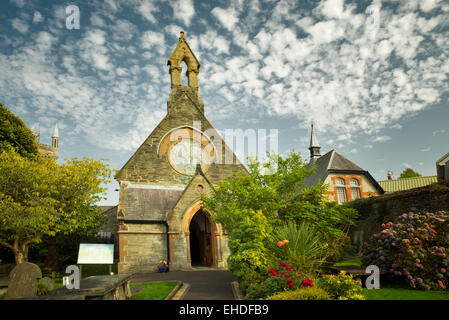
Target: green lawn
x=349, y=262
x=404, y=294
x=97, y=269
x=154, y=290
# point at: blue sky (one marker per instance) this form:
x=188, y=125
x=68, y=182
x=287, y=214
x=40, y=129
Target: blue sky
x=372, y=75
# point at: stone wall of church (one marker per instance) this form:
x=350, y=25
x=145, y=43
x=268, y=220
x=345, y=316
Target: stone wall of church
x=141, y=247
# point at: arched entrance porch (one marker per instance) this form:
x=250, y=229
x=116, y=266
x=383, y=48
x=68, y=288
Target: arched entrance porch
x=202, y=240
x=192, y=224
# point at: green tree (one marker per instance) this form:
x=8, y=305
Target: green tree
x=409, y=173
x=39, y=198
x=15, y=134
x=250, y=206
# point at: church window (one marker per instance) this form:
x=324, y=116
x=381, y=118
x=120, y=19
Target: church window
x=341, y=190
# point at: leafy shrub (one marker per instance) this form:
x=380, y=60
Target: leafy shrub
x=258, y=290
x=42, y=289
x=285, y=278
x=302, y=294
x=413, y=248
x=341, y=286
x=248, y=260
x=303, y=248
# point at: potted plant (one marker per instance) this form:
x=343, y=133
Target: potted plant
x=162, y=266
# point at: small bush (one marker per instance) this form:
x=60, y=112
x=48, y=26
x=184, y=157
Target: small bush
x=42, y=289
x=285, y=278
x=258, y=291
x=341, y=286
x=413, y=248
x=302, y=294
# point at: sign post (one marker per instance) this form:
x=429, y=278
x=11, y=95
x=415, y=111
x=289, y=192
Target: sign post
x=95, y=253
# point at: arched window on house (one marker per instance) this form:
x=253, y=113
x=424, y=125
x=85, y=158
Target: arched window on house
x=355, y=189
x=341, y=190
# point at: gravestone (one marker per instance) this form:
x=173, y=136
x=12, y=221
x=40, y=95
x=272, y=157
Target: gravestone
x=23, y=281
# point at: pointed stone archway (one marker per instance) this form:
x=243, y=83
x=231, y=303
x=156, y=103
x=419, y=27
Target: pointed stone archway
x=202, y=244
x=204, y=238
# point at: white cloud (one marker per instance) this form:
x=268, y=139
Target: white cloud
x=19, y=3
x=123, y=30
x=97, y=21
x=93, y=50
x=428, y=5
x=146, y=9
x=407, y=165
x=183, y=10
x=426, y=149
x=173, y=30
x=438, y=132
x=37, y=17
x=227, y=17
x=153, y=40
x=20, y=25
x=381, y=139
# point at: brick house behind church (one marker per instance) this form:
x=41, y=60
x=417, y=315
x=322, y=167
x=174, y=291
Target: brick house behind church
x=159, y=214
x=346, y=180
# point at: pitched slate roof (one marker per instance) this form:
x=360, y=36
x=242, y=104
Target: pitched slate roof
x=333, y=162
x=406, y=183
x=150, y=202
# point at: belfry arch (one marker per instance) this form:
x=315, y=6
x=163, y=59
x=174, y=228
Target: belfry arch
x=183, y=53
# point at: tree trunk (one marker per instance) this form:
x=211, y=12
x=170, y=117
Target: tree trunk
x=20, y=255
x=20, y=250
x=51, y=262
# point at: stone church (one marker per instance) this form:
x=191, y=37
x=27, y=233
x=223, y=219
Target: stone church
x=160, y=214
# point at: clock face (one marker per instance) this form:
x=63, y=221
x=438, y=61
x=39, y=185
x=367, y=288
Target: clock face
x=186, y=154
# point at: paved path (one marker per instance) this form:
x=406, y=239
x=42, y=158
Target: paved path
x=205, y=284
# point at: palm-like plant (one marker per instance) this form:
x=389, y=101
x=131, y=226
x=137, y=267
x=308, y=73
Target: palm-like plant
x=303, y=250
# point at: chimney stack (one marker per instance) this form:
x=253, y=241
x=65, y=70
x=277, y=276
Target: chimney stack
x=389, y=175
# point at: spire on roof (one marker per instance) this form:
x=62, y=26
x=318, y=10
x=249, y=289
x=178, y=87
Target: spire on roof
x=313, y=139
x=314, y=146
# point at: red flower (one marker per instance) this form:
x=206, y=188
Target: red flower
x=272, y=271
x=289, y=268
x=307, y=283
x=291, y=285
x=289, y=280
x=282, y=274
x=283, y=264
x=282, y=243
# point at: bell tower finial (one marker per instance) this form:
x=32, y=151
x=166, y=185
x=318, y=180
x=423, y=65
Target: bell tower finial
x=182, y=53
x=314, y=146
